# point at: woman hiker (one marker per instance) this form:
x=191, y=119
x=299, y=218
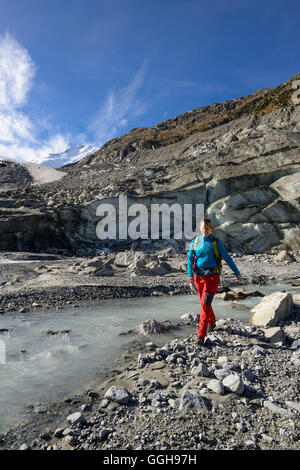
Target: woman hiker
x=203, y=270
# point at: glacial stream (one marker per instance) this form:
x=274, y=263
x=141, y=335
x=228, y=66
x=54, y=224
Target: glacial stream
x=37, y=367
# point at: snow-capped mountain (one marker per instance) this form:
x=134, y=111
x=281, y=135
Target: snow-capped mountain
x=71, y=155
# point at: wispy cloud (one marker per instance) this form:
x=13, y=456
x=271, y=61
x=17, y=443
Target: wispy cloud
x=119, y=107
x=18, y=132
x=17, y=72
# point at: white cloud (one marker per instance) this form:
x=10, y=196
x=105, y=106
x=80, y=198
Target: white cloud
x=15, y=126
x=18, y=133
x=17, y=71
x=119, y=107
x=27, y=153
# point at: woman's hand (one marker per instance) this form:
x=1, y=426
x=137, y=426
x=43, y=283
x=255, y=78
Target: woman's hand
x=238, y=277
x=191, y=280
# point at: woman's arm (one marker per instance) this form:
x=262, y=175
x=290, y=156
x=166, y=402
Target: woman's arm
x=223, y=252
x=190, y=261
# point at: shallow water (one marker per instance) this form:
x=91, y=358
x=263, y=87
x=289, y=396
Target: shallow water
x=51, y=366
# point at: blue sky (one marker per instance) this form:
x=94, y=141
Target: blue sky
x=85, y=71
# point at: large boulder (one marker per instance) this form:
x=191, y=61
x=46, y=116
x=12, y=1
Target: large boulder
x=272, y=309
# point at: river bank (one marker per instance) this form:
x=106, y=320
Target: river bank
x=46, y=282
x=240, y=390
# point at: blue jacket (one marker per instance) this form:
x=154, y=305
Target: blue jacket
x=206, y=256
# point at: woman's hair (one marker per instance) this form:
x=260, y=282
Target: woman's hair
x=207, y=222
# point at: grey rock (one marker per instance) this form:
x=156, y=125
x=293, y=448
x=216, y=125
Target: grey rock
x=193, y=399
x=294, y=405
x=200, y=370
x=190, y=317
x=59, y=432
x=163, y=352
x=221, y=373
x=216, y=386
x=233, y=383
x=278, y=409
x=249, y=375
x=171, y=358
x=24, y=447
x=76, y=418
x=295, y=344
x=68, y=432
x=103, y=433
x=152, y=326
x=295, y=358
x=40, y=408
x=118, y=394
x=104, y=403
x=274, y=335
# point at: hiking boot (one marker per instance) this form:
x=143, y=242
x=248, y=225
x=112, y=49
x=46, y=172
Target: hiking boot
x=211, y=327
x=199, y=341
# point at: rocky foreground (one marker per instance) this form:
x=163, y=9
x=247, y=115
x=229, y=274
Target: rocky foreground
x=238, y=391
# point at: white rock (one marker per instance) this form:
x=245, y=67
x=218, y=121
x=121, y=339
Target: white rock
x=76, y=418
x=271, y=309
x=233, y=383
x=118, y=394
x=216, y=386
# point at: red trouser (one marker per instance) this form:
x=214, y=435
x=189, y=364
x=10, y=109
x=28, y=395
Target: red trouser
x=206, y=286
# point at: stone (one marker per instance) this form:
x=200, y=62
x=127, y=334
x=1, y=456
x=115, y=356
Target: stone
x=23, y=310
x=234, y=384
x=190, y=317
x=24, y=447
x=278, y=409
x=216, y=386
x=124, y=259
x=283, y=255
x=248, y=374
x=200, y=370
x=40, y=408
x=192, y=398
x=163, y=352
x=103, y=433
x=294, y=405
x=295, y=358
x=118, y=394
x=295, y=344
x=59, y=432
x=152, y=326
x=76, y=418
x=272, y=309
x=274, y=335
x=68, y=432
x=221, y=373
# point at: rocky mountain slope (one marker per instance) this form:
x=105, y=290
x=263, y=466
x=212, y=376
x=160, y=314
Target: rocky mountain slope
x=241, y=159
